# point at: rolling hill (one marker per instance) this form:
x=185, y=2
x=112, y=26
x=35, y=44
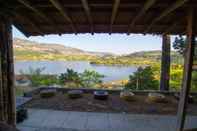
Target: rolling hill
x=30, y=50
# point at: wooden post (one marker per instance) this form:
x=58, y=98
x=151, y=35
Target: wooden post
x=3, y=71
x=186, y=83
x=2, y=117
x=7, y=71
x=165, y=63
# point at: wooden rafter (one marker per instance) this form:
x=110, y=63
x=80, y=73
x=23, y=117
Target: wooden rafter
x=88, y=14
x=114, y=13
x=39, y=13
x=170, y=28
x=173, y=7
x=63, y=12
x=146, y=6
x=30, y=22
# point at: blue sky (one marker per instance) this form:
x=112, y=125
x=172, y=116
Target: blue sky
x=115, y=43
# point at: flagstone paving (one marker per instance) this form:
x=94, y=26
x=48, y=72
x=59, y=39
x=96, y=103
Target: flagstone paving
x=52, y=120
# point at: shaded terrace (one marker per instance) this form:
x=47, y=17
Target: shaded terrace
x=42, y=17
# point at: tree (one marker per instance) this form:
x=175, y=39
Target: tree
x=69, y=76
x=142, y=79
x=179, y=44
x=90, y=78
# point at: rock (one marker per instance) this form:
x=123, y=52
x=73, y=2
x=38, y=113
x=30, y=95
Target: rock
x=190, y=98
x=101, y=95
x=73, y=94
x=127, y=95
x=48, y=93
x=156, y=97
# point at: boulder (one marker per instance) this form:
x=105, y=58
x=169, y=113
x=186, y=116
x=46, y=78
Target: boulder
x=101, y=95
x=48, y=93
x=73, y=94
x=156, y=97
x=127, y=95
x=190, y=98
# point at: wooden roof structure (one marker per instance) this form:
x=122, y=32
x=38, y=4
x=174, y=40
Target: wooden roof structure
x=41, y=17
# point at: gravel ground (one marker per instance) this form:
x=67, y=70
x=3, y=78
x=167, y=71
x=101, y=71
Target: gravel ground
x=114, y=104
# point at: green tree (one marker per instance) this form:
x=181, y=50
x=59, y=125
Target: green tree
x=142, y=79
x=179, y=44
x=194, y=81
x=176, y=74
x=90, y=78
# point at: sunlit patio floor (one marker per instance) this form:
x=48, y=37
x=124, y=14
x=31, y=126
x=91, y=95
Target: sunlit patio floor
x=51, y=120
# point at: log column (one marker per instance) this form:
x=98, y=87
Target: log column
x=187, y=73
x=165, y=63
x=7, y=95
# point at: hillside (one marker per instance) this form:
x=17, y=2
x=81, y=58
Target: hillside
x=30, y=50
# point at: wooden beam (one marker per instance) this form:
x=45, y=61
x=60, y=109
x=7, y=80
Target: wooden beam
x=39, y=13
x=147, y=5
x=88, y=14
x=30, y=22
x=167, y=11
x=187, y=73
x=29, y=6
x=165, y=63
x=63, y=12
x=168, y=30
x=114, y=13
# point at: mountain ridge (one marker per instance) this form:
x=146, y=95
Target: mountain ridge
x=21, y=44
x=31, y=50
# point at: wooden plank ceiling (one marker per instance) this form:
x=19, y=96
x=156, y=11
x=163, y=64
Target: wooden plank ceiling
x=42, y=17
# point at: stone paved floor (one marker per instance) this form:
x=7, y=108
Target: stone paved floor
x=22, y=100
x=51, y=120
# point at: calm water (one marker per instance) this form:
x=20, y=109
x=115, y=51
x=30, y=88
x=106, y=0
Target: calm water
x=56, y=67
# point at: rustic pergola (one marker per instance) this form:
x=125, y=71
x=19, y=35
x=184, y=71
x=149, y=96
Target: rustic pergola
x=42, y=17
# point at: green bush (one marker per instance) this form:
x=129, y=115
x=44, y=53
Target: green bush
x=38, y=79
x=86, y=79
